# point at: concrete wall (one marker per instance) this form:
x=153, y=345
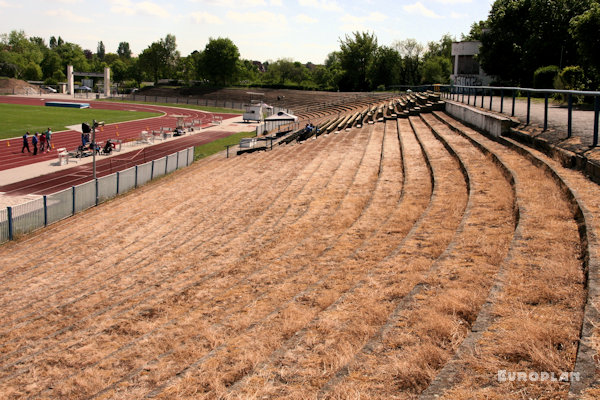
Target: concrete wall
x=468, y=48
x=493, y=124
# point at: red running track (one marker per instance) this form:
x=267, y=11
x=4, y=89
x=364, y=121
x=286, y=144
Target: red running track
x=59, y=180
x=10, y=149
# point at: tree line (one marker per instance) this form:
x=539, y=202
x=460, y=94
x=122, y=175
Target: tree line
x=527, y=43
x=359, y=64
x=541, y=43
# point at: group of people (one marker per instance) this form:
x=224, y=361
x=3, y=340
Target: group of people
x=309, y=127
x=41, y=141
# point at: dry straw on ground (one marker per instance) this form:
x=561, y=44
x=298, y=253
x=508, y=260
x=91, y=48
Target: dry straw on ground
x=353, y=265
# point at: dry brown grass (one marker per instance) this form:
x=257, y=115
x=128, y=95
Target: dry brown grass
x=330, y=269
x=537, y=315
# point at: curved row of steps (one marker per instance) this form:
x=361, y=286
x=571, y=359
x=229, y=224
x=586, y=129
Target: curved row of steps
x=409, y=258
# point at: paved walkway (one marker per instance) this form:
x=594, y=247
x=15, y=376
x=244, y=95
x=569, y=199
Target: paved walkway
x=583, y=120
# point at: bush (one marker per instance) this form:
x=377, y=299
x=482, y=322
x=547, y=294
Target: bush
x=543, y=77
x=50, y=82
x=571, y=78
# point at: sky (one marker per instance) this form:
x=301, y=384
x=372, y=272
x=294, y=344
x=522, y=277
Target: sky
x=301, y=30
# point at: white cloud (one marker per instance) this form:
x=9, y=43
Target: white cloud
x=276, y=3
x=68, y=15
x=153, y=9
x=265, y=18
x=456, y=15
x=127, y=7
x=454, y=1
x=419, y=9
x=354, y=23
x=201, y=17
x=325, y=5
x=233, y=3
x=5, y=4
x=70, y=1
x=305, y=19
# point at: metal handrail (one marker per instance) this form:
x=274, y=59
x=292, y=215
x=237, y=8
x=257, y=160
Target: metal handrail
x=458, y=92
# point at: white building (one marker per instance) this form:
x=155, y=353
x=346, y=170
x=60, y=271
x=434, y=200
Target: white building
x=466, y=68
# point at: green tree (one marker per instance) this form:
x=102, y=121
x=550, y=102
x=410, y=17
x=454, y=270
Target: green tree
x=527, y=34
x=151, y=61
x=51, y=64
x=17, y=53
x=436, y=69
x=386, y=67
x=118, y=70
x=411, y=52
x=357, y=54
x=32, y=72
x=72, y=54
x=101, y=51
x=219, y=61
x=124, y=51
x=159, y=60
x=248, y=72
x=476, y=31
x=585, y=30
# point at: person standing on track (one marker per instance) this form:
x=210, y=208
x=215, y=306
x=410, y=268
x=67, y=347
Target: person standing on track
x=25, y=143
x=34, y=143
x=48, y=143
x=42, y=141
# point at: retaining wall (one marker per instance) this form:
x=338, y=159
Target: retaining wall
x=497, y=125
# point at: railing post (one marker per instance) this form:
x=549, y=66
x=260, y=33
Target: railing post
x=482, y=96
x=97, y=191
x=152, y=171
x=118, y=175
x=570, y=117
x=136, y=176
x=45, y=210
x=514, y=98
x=528, y=106
x=10, y=223
x=73, y=192
x=475, y=97
x=545, y=111
x=491, y=98
x=501, y=101
x=596, y=112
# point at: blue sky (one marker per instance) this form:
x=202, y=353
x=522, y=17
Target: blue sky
x=303, y=30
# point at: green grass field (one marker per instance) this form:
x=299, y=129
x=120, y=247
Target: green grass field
x=218, y=145
x=15, y=119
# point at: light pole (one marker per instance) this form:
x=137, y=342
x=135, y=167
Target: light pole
x=94, y=123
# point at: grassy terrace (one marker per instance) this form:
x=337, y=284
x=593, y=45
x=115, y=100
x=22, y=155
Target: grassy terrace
x=410, y=258
x=218, y=145
x=16, y=119
x=219, y=110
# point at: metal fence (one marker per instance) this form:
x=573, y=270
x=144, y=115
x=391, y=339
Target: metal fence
x=24, y=218
x=235, y=105
x=534, y=106
x=125, y=180
x=159, y=167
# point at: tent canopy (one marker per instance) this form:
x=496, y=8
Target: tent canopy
x=282, y=116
